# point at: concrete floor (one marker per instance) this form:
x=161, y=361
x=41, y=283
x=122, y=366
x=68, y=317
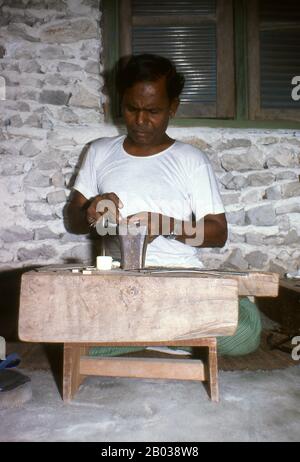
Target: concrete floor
x=254, y=406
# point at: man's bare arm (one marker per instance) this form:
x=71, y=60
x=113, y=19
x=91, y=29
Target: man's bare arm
x=76, y=213
x=211, y=231
x=214, y=229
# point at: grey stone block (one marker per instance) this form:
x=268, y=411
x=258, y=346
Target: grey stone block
x=28, y=166
x=251, y=196
x=79, y=254
x=92, y=67
x=82, y=96
x=68, y=31
x=6, y=256
x=14, y=121
x=16, y=234
x=282, y=157
x=36, y=253
x=35, y=178
x=29, y=66
x=290, y=190
x=292, y=237
x=38, y=211
x=236, y=217
x=274, y=240
x=268, y=140
x=234, y=237
x=14, y=186
x=257, y=259
x=68, y=67
x=288, y=208
x=24, y=32
x=273, y=193
x=293, y=140
x=261, y=179
x=254, y=238
x=56, y=80
x=253, y=159
x=230, y=199
x=197, y=142
x=56, y=197
x=29, y=149
x=56, y=97
x=68, y=116
x=91, y=3
x=45, y=233
x=236, y=261
x=277, y=267
x=283, y=222
x=11, y=169
x=234, y=143
x=45, y=164
x=33, y=121
x=261, y=216
x=234, y=181
x=55, y=52
x=69, y=237
x=287, y=175
x=58, y=179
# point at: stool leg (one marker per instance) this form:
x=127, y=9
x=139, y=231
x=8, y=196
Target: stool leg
x=212, y=371
x=71, y=370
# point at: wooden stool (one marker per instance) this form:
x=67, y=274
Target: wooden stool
x=77, y=366
x=124, y=308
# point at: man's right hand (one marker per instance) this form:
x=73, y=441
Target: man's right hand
x=105, y=205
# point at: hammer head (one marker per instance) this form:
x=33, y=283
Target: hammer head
x=133, y=242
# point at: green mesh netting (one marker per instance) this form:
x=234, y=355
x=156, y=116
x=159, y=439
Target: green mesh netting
x=245, y=340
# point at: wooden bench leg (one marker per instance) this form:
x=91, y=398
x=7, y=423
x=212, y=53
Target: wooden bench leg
x=212, y=371
x=71, y=372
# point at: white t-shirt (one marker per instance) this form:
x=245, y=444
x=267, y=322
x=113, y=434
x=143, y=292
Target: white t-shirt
x=176, y=182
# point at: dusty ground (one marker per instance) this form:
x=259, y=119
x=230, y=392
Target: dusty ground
x=261, y=405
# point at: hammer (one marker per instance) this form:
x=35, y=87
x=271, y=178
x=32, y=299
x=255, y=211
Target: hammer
x=133, y=241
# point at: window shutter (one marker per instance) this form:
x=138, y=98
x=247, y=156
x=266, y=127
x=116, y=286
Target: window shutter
x=168, y=29
x=273, y=58
x=187, y=32
x=279, y=52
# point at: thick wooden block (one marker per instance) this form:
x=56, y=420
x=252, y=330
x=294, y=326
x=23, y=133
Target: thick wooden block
x=123, y=307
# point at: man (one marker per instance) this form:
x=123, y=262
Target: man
x=148, y=177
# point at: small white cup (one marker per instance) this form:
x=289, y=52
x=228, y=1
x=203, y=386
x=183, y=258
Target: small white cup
x=104, y=262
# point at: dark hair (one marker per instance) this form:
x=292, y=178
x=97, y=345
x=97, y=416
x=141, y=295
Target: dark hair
x=149, y=68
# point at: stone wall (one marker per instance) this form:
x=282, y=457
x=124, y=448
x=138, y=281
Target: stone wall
x=50, y=58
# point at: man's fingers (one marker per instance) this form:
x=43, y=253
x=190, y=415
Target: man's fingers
x=116, y=200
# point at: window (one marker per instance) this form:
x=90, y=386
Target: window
x=198, y=37
x=274, y=58
x=239, y=57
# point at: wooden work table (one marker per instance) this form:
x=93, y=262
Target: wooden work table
x=148, y=307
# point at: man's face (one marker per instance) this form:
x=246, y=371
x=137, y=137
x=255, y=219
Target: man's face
x=146, y=110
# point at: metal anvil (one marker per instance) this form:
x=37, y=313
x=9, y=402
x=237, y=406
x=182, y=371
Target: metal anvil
x=133, y=242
